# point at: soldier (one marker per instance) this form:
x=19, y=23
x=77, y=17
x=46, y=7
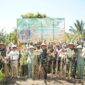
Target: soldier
x=43, y=60
x=36, y=59
x=51, y=61
x=1, y=63
x=74, y=63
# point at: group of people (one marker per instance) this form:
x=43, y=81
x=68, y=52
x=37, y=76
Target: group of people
x=37, y=60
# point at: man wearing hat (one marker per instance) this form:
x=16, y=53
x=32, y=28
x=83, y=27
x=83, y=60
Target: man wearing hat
x=43, y=59
x=13, y=57
x=36, y=59
x=70, y=53
x=30, y=61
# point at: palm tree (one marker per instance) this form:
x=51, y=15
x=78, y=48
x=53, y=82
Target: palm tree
x=69, y=37
x=78, y=29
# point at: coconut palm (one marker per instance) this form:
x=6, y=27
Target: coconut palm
x=78, y=29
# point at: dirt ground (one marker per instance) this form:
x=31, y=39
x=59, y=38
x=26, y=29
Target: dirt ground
x=50, y=81
x=41, y=82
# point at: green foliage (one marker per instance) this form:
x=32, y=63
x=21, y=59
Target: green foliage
x=69, y=37
x=1, y=75
x=31, y=15
x=11, y=37
x=2, y=35
x=78, y=29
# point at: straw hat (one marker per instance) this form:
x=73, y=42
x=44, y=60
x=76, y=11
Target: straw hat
x=31, y=47
x=43, y=44
x=14, y=46
x=71, y=44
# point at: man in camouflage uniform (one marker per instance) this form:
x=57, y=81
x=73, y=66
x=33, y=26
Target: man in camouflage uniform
x=43, y=60
x=36, y=62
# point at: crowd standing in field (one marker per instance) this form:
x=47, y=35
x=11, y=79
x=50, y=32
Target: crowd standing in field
x=37, y=60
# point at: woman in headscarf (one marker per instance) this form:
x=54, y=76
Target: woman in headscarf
x=80, y=62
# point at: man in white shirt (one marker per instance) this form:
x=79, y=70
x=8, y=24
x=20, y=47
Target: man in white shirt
x=13, y=57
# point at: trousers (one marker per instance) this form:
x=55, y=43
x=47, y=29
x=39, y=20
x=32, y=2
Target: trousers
x=14, y=68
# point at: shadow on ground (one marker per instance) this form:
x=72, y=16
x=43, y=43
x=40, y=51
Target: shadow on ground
x=54, y=80
x=8, y=81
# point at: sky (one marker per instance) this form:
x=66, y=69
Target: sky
x=10, y=10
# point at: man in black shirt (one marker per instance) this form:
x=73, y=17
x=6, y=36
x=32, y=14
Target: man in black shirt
x=43, y=60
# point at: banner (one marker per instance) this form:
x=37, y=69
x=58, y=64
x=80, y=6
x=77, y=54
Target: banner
x=23, y=30
x=40, y=29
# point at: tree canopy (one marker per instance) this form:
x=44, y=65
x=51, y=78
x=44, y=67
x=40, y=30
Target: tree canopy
x=78, y=29
x=11, y=37
x=32, y=15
